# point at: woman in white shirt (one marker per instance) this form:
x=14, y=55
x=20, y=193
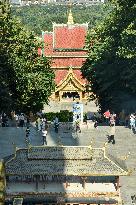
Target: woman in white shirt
x=44, y=135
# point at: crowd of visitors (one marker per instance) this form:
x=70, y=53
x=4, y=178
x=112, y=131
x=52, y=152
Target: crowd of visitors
x=108, y=118
x=121, y=119
x=13, y=119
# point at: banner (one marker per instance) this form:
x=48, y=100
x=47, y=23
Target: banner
x=77, y=112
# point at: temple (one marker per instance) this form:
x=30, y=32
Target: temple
x=58, y=175
x=66, y=47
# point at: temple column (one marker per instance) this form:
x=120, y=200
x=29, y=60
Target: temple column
x=80, y=95
x=83, y=182
x=60, y=95
x=66, y=184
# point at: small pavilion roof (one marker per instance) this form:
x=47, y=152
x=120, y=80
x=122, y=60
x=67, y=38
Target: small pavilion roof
x=69, y=36
x=64, y=160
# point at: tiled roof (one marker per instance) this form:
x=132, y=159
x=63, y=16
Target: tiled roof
x=79, y=76
x=64, y=161
x=61, y=74
x=69, y=36
x=60, y=153
x=67, y=62
x=50, y=51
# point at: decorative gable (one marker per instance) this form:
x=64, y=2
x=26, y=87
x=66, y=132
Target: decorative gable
x=70, y=83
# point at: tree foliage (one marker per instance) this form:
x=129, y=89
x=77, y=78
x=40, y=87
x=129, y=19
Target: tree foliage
x=38, y=17
x=110, y=67
x=26, y=79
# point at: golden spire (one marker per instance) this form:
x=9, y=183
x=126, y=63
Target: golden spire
x=70, y=17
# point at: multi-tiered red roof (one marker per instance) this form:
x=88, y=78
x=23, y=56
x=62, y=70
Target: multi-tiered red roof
x=65, y=45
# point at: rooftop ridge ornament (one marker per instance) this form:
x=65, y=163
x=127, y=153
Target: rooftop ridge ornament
x=125, y=157
x=70, y=16
x=92, y=143
x=105, y=145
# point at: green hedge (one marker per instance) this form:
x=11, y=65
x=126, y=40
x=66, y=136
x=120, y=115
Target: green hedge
x=64, y=116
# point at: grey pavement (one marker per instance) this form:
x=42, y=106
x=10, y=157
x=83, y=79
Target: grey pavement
x=125, y=143
x=56, y=107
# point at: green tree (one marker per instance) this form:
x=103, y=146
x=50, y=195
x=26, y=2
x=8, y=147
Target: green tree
x=27, y=78
x=38, y=17
x=110, y=67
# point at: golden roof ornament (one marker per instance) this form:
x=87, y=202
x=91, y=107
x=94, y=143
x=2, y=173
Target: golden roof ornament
x=70, y=16
x=125, y=157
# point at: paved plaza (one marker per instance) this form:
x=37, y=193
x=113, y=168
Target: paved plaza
x=57, y=107
x=125, y=143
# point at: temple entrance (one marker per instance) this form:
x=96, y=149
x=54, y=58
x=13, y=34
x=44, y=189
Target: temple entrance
x=70, y=96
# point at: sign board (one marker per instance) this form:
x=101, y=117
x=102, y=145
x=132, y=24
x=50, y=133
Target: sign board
x=78, y=112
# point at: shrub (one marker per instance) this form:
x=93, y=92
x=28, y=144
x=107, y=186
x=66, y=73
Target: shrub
x=63, y=115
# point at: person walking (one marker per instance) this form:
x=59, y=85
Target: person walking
x=44, y=122
x=112, y=118
x=96, y=124
x=44, y=135
x=112, y=134
x=41, y=124
x=25, y=121
x=4, y=120
x=78, y=124
x=107, y=116
x=132, y=121
x=56, y=124
x=36, y=124
x=22, y=120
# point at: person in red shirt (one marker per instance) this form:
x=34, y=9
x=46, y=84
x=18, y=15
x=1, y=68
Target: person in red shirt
x=107, y=116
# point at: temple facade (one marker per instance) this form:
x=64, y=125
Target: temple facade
x=65, y=46
x=63, y=175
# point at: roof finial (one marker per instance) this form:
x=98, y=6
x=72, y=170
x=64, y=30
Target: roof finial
x=70, y=17
x=125, y=157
